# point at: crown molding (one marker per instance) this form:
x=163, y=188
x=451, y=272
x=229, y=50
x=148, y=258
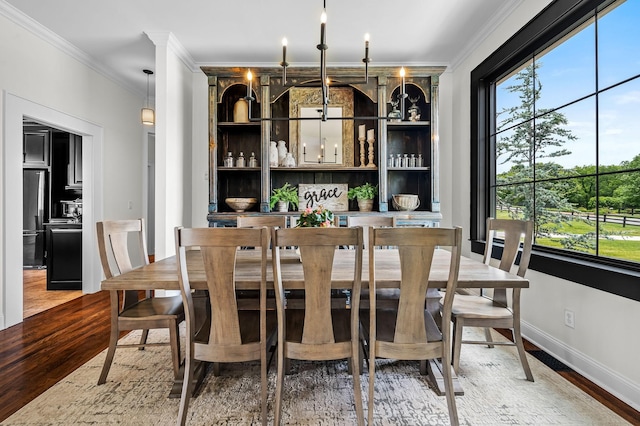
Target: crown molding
x=166, y=38
x=486, y=30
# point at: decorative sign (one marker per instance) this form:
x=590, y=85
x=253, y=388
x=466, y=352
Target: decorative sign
x=332, y=196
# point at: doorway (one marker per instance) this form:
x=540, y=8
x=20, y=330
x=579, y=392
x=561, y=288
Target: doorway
x=52, y=214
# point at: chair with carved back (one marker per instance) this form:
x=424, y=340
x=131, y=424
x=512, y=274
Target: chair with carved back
x=494, y=311
x=367, y=221
x=270, y=221
x=222, y=332
x=318, y=332
x=409, y=332
x=128, y=310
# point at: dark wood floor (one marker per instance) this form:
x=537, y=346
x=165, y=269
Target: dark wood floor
x=46, y=347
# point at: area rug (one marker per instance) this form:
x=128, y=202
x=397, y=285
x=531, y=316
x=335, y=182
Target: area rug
x=495, y=393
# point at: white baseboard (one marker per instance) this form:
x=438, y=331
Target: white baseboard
x=598, y=373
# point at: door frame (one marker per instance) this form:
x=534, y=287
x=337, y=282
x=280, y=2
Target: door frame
x=14, y=109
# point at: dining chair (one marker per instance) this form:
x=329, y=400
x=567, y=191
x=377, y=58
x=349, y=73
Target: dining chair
x=134, y=312
x=318, y=332
x=221, y=332
x=493, y=310
x=409, y=332
x=368, y=221
x=262, y=220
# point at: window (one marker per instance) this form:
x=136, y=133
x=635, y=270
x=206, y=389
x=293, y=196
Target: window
x=556, y=139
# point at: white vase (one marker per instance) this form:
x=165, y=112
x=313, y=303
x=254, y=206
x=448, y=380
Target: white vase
x=273, y=154
x=282, y=206
x=282, y=152
x=289, y=161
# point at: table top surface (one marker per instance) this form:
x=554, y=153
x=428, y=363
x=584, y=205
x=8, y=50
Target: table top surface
x=163, y=274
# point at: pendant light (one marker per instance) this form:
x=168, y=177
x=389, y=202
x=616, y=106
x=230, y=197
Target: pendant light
x=148, y=115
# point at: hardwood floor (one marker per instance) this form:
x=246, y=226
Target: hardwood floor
x=36, y=296
x=47, y=346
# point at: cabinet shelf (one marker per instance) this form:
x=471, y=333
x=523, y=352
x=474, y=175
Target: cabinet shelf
x=239, y=169
x=404, y=125
x=231, y=124
x=315, y=169
x=409, y=169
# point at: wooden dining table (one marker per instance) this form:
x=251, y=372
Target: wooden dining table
x=163, y=274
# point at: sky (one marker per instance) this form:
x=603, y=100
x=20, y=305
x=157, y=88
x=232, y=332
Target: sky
x=567, y=72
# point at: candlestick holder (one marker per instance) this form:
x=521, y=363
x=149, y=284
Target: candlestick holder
x=362, y=163
x=370, y=142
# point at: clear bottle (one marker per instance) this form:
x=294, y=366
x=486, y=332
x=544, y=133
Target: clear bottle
x=396, y=162
x=405, y=160
x=412, y=160
x=228, y=162
x=240, y=162
x=419, y=161
x=390, y=162
x=253, y=161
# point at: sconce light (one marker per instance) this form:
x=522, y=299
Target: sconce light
x=147, y=113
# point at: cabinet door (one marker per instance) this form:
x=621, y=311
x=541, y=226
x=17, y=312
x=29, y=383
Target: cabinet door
x=74, y=170
x=64, y=259
x=35, y=149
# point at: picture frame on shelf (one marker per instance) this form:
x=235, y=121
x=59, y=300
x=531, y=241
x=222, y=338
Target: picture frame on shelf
x=318, y=143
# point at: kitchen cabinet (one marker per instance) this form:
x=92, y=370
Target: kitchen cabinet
x=274, y=103
x=64, y=256
x=35, y=149
x=74, y=167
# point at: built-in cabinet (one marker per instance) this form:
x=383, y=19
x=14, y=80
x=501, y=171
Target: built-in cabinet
x=404, y=156
x=74, y=166
x=64, y=256
x=35, y=149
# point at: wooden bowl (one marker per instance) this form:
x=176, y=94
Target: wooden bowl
x=406, y=202
x=241, y=204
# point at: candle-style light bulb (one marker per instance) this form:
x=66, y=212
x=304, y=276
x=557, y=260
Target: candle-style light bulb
x=250, y=87
x=402, y=95
x=284, y=50
x=323, y=22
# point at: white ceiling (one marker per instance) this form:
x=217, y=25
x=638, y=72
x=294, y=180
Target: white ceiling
x=111, y=35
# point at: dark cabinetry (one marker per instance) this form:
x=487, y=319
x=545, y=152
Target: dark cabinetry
x=74, y=167
x=35, y=149
x=279, y=107
x=64, y=256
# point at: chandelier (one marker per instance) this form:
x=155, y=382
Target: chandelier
x=324, y=80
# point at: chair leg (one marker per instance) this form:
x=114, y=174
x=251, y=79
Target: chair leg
x=372, y=376
x=517, y=338
x=448, y=386
x=187, y=390
x=487, y=336
x=458, y=325
x=357, y=389
x=279, y=384
x=113, y=342
x=174, y=340
x=143, y=339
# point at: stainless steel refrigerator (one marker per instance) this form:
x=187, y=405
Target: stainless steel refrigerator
x=34, y=201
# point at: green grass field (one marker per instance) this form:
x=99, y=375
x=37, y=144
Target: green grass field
x=608, y=247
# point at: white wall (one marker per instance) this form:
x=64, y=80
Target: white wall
x=61, y=86
x=605, y=343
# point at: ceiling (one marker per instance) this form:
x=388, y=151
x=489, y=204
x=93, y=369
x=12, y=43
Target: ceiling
x=112, y=36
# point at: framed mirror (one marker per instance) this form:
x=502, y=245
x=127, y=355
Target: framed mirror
x=318, y=143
